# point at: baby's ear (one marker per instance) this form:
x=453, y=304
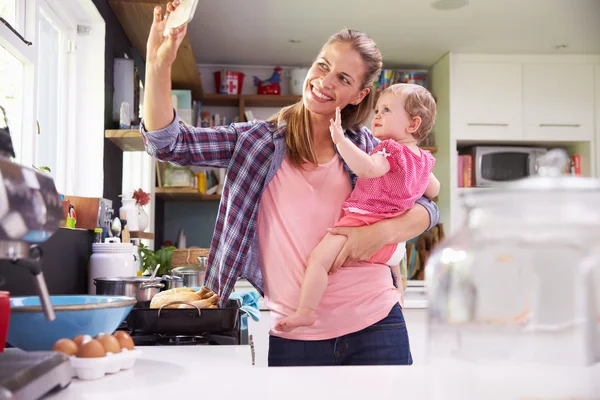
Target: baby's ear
x=415, y=124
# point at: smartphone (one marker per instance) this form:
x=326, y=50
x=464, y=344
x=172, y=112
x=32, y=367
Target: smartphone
x=182, y=15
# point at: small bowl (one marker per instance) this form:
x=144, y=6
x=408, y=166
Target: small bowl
x=75, y=315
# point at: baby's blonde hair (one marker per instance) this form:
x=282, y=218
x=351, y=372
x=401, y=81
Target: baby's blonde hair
x=418, y=103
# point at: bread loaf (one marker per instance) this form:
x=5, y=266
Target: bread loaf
x=203, y=298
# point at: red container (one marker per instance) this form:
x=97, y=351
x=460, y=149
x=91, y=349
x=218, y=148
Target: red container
x=229, y=82
x=4, y=318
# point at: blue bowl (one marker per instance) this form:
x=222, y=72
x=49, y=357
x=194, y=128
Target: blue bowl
x=75, y=315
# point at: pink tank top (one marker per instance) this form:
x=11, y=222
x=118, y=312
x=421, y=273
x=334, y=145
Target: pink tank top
x=296, y=209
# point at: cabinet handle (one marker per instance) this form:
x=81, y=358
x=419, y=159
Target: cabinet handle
x=560, y=125
x=484, y=124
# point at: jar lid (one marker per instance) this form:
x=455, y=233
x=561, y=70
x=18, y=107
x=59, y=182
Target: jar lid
x=112, y=247
x=192, y=268
x=126, y=279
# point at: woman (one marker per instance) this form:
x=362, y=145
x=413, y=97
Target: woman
x=289, y=167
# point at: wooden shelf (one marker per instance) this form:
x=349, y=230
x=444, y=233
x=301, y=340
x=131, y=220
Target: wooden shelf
x=141, y=235
x=126, y=139
x=184, y=194
x=432, y=149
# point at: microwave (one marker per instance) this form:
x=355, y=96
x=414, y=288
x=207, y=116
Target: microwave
x=496, y=165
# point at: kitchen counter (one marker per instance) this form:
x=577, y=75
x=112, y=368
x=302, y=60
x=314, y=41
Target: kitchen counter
x=225, y=372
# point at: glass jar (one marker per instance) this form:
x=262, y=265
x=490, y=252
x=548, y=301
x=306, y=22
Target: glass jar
x=520, y=282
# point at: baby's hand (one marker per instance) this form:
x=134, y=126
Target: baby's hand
x=337, y=133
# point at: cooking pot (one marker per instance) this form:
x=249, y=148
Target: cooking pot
x=192, y=275
x=172, y=281
x=141, y=287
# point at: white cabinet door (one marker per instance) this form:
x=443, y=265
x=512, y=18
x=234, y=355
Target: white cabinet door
x=260, y=336
x=558, y=102
x=416, y=324
x=597, y=80
x=486, y=101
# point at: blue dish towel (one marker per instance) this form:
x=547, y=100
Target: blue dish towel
x=249, y=302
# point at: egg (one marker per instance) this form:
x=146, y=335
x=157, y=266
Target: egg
x=79, y=339
x=65, y=346
x=125, y=341
x=91, y=349
x=109, y=342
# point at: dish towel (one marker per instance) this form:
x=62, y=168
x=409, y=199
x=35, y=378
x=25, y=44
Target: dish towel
x=249, y=302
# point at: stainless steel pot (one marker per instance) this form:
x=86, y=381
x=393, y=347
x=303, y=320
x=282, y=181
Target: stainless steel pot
x=192, y=275
x=141, y=287
x=172, y=281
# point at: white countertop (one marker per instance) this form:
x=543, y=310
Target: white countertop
x=225, y=372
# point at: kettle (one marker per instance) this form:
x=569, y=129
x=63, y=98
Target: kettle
x=520, y=281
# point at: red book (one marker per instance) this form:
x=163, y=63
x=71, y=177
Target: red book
x=577, y=162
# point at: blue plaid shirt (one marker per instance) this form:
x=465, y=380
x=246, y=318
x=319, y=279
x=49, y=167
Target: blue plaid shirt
x=252, y=152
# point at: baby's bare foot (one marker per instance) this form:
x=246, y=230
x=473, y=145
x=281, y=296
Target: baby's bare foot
x=296, y=320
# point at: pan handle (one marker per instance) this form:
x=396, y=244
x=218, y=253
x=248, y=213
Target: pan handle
x=180, y=302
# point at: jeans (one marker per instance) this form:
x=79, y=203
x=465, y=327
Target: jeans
x=383, y=343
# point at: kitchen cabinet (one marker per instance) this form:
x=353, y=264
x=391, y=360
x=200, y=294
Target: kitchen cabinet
x=558, y=101
x=486, y=101
x=597, y=81
x=416, y=324
x=260, y=336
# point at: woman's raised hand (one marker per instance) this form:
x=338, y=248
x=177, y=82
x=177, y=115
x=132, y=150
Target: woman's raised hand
x=161, y=50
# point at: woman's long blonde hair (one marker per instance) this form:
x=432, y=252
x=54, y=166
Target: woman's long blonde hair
x=298, y=136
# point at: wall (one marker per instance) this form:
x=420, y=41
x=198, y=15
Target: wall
x=116, y=45
x=197, y=220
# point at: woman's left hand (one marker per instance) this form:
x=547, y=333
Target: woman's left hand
x=363, y=242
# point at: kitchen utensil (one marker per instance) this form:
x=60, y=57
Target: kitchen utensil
x=115, y=227
x=182, y=15
x=111, y=259
x=192, y=275
x=75, y=315
x=139, y=287
x=183, y=321
x=153, y=276
x=520, y=282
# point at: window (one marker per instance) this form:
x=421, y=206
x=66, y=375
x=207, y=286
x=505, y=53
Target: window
x=51, y=115
x=11, y=96
x=52, y=86
x=8, y=11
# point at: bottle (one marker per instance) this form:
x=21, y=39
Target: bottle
x=98, y=235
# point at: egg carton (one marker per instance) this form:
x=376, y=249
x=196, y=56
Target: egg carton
x=97, y=367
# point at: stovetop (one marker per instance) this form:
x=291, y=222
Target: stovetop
x=155, y=339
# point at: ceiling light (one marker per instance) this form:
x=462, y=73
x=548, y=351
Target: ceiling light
x=449, y=4
x=562, y=46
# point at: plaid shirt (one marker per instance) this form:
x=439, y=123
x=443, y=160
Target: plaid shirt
x=252, y=152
